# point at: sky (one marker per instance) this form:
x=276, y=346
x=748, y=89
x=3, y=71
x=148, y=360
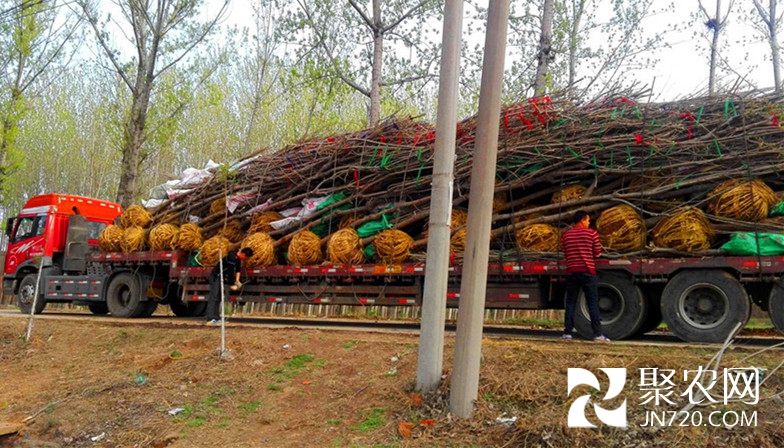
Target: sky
x=682, y=70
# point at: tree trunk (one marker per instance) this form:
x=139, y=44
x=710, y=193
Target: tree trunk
x=545, y=46
x=374, y=111
x=577, y=15
x=714, y=49
x=774, y=47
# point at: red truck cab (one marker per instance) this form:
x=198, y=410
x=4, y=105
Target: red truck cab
x=38, y=236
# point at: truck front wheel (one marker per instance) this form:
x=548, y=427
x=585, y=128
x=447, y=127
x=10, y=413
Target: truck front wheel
x=26, y=295
x=622, y=307
x=704, y=306
x=776, y=306
x=124, y=296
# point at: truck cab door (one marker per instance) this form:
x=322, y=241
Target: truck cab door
x=76, y=245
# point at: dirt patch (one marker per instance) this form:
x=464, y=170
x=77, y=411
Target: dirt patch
x=92, y=383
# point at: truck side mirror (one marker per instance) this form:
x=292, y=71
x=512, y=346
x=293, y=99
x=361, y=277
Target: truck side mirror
x=9, y=226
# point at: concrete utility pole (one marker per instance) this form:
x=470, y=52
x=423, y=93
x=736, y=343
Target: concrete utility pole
x=431, y=335
x=468, y=349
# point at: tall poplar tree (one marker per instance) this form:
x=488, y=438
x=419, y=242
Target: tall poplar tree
x=162, y=34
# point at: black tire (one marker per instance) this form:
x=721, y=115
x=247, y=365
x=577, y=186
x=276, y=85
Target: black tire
x=190, y=309
x=99, y=309
x=622, y=307
x=24, y=296
x=776, y=306
x=704, y=305
x=124, y=295
x=654, y=317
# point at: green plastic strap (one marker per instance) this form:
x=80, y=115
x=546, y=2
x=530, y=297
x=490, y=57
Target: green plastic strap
x=384, y=157
x=718, y=148
x=672, y=146
x=560, y=123
x=729, y=105
x=629, y=155
x=370, y=251
x=419, y=155
x=419, y=174
x=612, y=115
x=653, y=123
x=678, y=184
x=699, y=115
x=574, y=153
x=612, y=158
x=637, y=111
x=375, y=152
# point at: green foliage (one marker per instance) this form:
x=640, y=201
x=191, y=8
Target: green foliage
x=372, y=419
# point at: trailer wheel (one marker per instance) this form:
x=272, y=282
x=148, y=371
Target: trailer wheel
x=776, y=306
x=704, y=306
x=99, y=309
x=25, y=295
x=190, y=309
x=124, y=295
x=622, y=307
x=654, y=317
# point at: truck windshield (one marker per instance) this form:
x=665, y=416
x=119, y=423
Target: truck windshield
x=29, y=227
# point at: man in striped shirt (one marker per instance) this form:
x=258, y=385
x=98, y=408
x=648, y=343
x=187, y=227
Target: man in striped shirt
x=581, y=247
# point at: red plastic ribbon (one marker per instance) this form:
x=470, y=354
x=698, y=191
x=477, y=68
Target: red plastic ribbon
x=691, y=123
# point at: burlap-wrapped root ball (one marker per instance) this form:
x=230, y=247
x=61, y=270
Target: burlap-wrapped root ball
x=347, y=222
x=135, y=216
x=263, y=250
x=260, y=222
x=687, y=230
x=217, y=206
x=111, y=238
x=499, y=201
x=458, y=241
x=305, y=249
x=189, y=237
x=621, y=229
x=232, y=230
x=393, y=246
x=345, y=247
x=213, y=250
x=746, y=201
x=538, y=238
x=458, y=218
x=569, y=193
x=134, y=239
x=163, y=237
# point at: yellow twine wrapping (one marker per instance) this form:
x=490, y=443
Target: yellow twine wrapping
x=458, y=241
x=569, y=193
x=538, y=238
x=217, y=206
x=163, y=237
x=233, y=231
x=345, y=247
x=305, y=249
x=111, y=238
x=621, y=229
x=189, y=238
x=261, y=221
x=687, y=230
x=211, y=251
x=134, y=239
x=135, y=216
x=743, y=201
x=263, y=250
x=393, y=246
